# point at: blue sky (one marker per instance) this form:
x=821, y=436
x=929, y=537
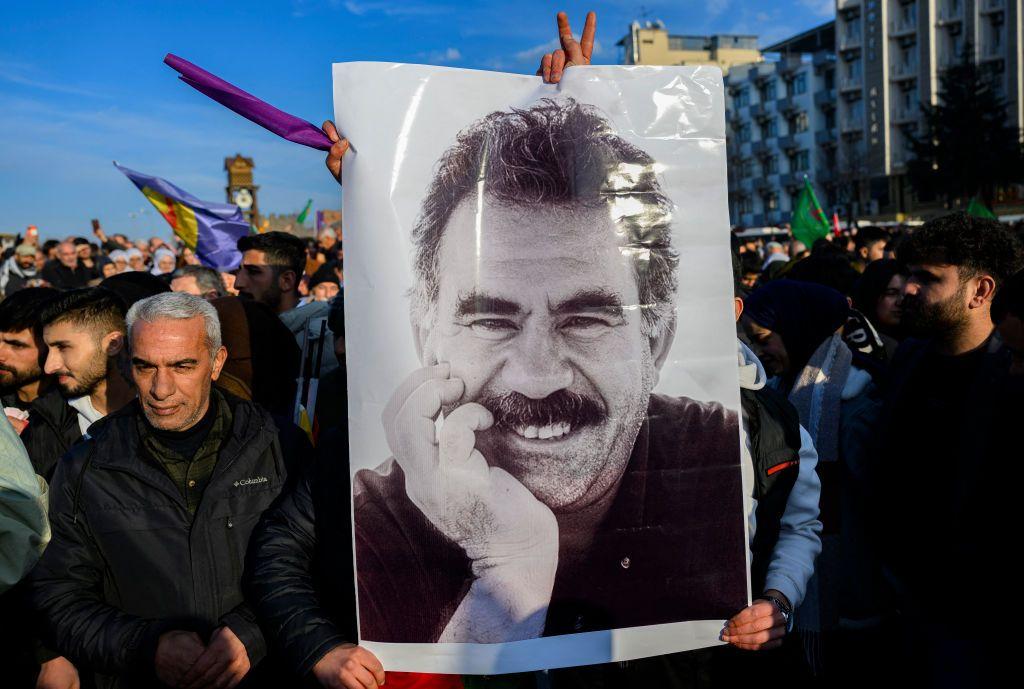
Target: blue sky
x=82, y=84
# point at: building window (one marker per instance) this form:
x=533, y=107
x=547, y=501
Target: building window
x=746, y=204
x=800, y=123
x=770, y=129
x=771, y=202
x=767, y=91
x=771, y=165
x=830, y=119
x=797, y=85
x=801, y=161
x=743, y=97
x=830, y=79
x=744, y=132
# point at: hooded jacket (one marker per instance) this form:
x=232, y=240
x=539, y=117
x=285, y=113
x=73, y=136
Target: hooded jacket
x=13, y=277
x=127, y=562
x=790, y=563
x=52, y=429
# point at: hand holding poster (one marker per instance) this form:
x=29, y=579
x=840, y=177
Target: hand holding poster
x=542, y=379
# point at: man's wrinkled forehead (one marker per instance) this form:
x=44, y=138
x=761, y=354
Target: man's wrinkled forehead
x=500, y=250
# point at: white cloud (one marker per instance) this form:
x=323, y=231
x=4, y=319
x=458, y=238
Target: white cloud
x=714, y=8
x=537, y=51
x=405, y=8
x=441, y=57
x=27, y=75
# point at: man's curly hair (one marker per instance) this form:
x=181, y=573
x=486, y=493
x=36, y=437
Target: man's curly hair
x=976, y=246
x=555, y=153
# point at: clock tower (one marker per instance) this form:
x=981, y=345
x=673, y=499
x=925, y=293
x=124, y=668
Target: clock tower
x=240, y=190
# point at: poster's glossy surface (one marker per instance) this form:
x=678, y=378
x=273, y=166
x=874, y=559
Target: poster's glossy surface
x=543, y=395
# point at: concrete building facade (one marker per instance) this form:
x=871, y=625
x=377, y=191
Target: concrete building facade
x=890, y=55
x=781, y=127
x=651, y=44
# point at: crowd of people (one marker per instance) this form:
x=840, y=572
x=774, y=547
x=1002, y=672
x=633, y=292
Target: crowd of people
x=165, y=521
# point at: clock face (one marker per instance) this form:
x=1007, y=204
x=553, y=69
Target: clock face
x=243, y=199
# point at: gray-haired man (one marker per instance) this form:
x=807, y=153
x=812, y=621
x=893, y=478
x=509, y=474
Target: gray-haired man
x=151, y=516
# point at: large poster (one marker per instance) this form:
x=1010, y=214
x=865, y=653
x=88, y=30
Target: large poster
x=543, y=393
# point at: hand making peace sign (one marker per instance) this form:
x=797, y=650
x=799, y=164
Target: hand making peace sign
x=571, y=53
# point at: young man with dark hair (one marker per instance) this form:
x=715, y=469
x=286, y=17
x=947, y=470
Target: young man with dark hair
x=272, y=266
x=870, y=243
x=946, y=476
x=22, y=350
x=84, y=333
x=271, y=269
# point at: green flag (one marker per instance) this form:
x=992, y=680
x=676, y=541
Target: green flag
x=977, y=208
x=302, y=216
x=808, y=223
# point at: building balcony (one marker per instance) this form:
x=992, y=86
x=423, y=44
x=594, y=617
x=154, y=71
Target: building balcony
x=905, y=115
x=791, y=180
x=847, y=4
x=763, y=185
x=763, y=70
x=823, y=58
x=825, y=137
x=989, y=6
x=852, y=125
x=788, y=65
x=759, y=111
x=949, y=13
x=773, y=217
x=850, y=41
x=786, y=105
x=851, y=83
x=788, y=143
x=900, y=71
x=902, y=26
x=826, y=100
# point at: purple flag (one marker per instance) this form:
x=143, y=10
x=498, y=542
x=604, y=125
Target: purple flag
x=249, y=106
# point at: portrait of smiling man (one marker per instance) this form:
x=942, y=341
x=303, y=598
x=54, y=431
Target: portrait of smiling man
x=538, y=486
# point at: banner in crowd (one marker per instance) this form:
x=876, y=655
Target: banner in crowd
x=543, y=394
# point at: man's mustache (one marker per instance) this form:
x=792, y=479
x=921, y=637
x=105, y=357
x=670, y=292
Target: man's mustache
x=515, y=410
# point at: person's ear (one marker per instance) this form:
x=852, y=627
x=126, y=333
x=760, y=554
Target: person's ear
x=738, y=307
x=113, y=343
x=661, y=344
x=219, y=359
x=421, y=338
x=984, y=290
x=287, y=280
x=863, y=251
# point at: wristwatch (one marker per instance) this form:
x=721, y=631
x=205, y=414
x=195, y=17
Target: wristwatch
x=781, y=607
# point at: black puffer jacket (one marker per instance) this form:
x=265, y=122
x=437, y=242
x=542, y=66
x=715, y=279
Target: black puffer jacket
x=300, y=571
x=52, y=430
x=128, y=563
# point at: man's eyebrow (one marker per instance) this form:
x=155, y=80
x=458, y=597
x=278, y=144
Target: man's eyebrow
x=138, y=361
x=592, y=300
x=475, y=302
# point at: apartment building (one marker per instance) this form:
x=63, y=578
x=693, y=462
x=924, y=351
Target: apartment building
x=651, y=44
x=890, y=55
x=781, y=126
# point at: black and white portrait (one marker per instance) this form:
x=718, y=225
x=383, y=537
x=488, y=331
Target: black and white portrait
x=539, y=480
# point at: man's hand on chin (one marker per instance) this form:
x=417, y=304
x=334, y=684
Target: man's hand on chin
x=510, y=536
